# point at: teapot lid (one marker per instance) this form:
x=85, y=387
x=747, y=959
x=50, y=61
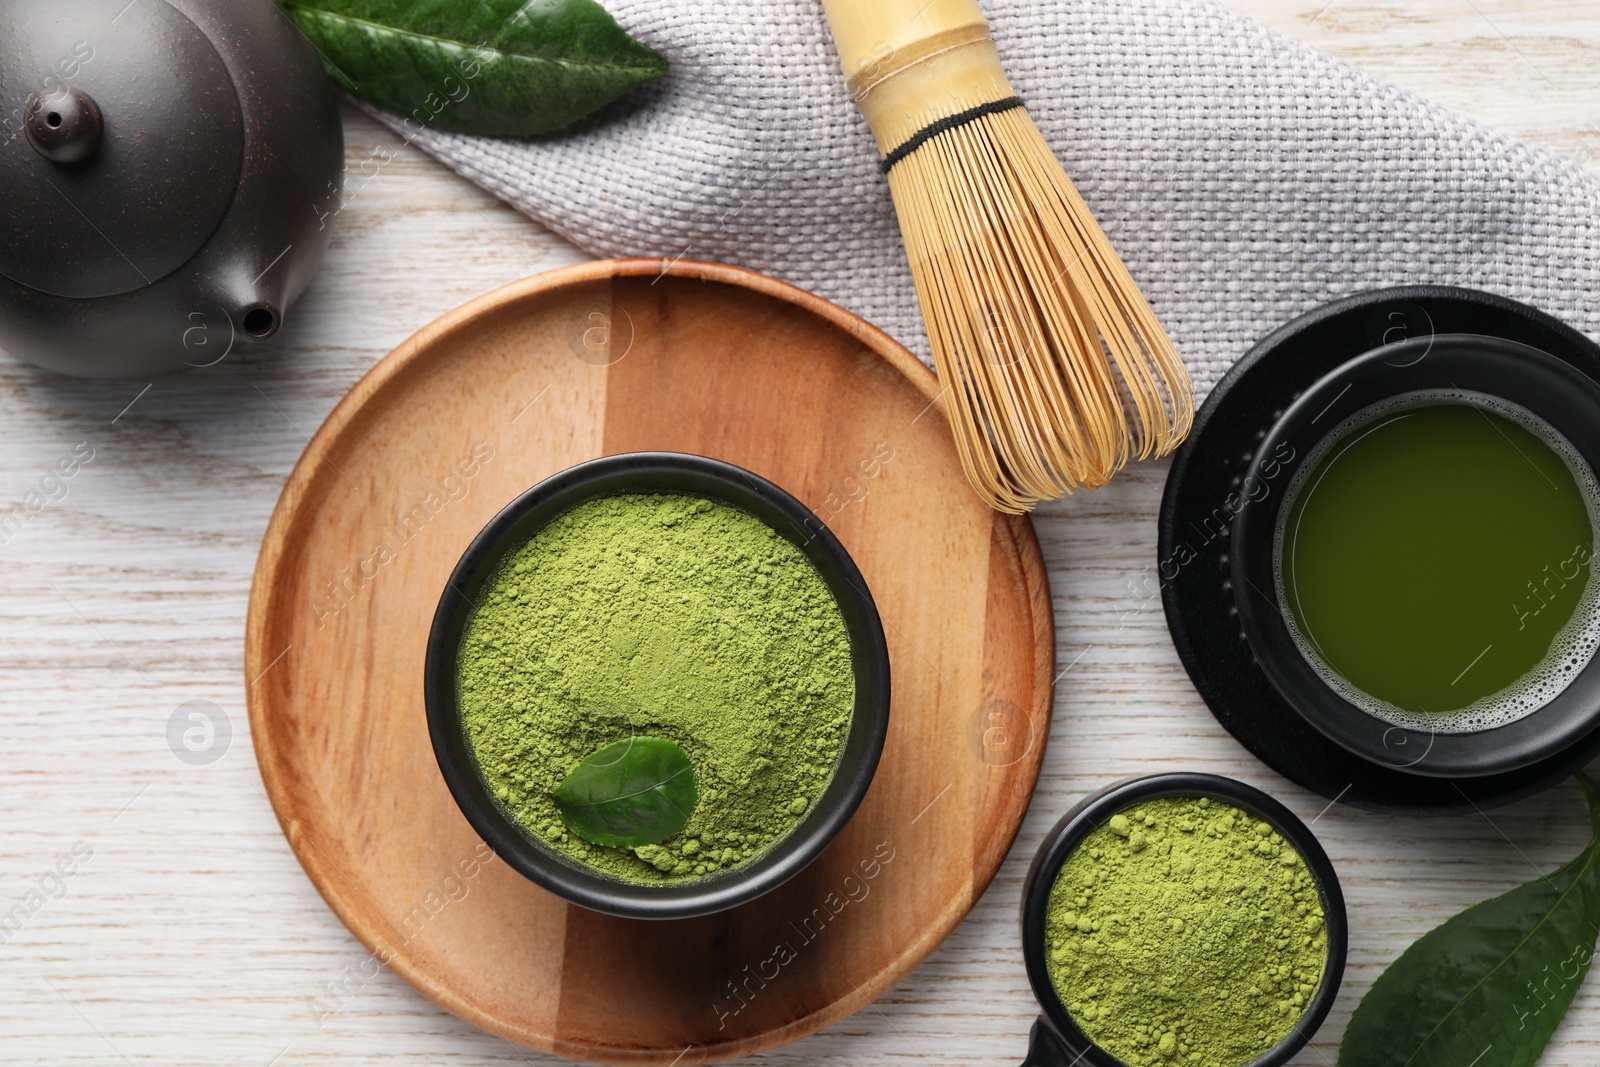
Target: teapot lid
x=121, y=141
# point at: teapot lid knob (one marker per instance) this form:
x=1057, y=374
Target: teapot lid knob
x=64, y=124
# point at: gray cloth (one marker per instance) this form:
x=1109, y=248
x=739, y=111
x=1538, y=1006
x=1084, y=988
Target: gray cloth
x=1244, y=177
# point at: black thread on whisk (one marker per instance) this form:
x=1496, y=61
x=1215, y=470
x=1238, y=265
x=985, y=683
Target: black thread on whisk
x=934, y=129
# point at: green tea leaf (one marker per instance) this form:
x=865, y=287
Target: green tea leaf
x=499, y=67
x=630, y=793
x=1488, y=987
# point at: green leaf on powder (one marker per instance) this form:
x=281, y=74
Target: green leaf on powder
x=500, y=67
x=1488, y=987
x=629, y=793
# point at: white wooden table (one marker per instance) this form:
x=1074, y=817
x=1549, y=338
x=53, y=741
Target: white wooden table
x=190, y=934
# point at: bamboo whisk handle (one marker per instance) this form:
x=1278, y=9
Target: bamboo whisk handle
x=870, y=32
x=886, y=46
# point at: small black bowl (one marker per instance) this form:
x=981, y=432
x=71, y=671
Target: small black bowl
x=1549, y=388
x=1057, y=1040
x=658, y=472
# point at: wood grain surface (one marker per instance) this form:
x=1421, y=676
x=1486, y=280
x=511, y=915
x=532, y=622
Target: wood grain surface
x=600, y=359
x=191, y=935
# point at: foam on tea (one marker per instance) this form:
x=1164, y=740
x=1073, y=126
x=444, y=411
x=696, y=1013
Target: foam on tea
x=1433, y=561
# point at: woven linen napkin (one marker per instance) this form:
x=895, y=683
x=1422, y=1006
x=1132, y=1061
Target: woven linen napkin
x=1244, y=177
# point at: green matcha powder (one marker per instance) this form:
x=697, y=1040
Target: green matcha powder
x=670, y=616
x=1185, y=931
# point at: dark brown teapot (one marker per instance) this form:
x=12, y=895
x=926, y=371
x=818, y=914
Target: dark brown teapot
x=165, y=167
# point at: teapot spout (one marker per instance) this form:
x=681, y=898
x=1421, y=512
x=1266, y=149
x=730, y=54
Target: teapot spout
x=233, y=314
x=254, y=305
x=258, y=321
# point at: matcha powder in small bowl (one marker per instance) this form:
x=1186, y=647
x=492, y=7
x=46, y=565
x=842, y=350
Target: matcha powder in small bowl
x=1185, y=931
x=671, y=616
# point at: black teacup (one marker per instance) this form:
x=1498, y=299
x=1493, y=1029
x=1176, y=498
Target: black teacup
x=1504, y=371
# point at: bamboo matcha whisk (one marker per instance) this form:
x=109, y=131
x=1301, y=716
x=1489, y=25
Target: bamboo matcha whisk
x=1056, y=372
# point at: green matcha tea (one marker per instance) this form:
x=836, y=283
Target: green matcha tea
x=1186, y=931
x=1433, y=561
x=671, y=616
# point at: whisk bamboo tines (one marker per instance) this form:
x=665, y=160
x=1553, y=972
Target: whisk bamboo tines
x=1055, y=370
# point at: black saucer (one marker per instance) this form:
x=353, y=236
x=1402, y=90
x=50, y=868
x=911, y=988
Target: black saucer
x=1193, y=560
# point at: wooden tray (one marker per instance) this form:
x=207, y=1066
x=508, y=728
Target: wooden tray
x=515, y=386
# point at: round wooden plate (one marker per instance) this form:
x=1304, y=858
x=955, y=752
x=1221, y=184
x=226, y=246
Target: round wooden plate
x=619, y=357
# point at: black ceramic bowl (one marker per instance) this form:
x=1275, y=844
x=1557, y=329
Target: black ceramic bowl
x=1057, y=1040
x=1551, y=389
x=658, y=472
